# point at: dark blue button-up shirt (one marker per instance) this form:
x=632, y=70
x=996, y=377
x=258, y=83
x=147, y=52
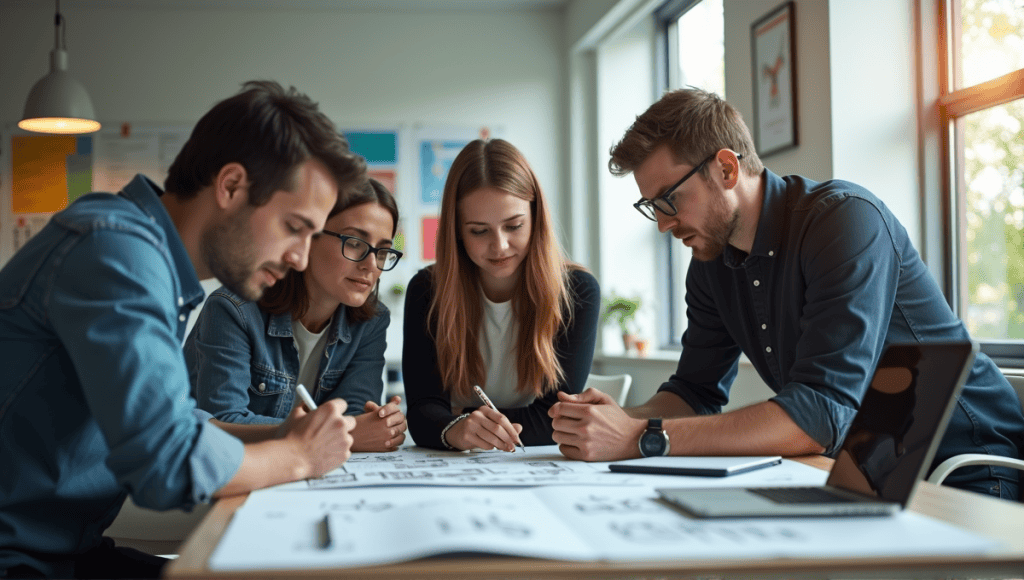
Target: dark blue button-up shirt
x=244, y=365
x=831, y=279
x=94, y=399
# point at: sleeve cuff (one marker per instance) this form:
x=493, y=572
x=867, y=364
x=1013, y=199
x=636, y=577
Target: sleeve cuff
x=217, y=463
x=823, y=419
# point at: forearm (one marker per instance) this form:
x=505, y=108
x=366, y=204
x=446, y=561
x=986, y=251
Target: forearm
x=662, y=405
x=248, y=433
x=760, y=429
x=266, y=462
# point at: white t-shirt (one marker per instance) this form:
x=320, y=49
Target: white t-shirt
x=498, y=347
x=311, y=348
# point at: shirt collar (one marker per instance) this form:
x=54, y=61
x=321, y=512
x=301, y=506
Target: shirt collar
x=146, y=194
x=281, y=325
x=770, y=224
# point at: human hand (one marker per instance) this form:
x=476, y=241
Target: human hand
x=379, y=428
x=321, y=439
x=484, y=428
x=593, y=427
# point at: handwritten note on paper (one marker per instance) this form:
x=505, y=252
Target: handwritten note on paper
x=542, y=465
x=378, y=525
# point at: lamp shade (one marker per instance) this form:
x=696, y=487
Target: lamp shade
x=58, y=103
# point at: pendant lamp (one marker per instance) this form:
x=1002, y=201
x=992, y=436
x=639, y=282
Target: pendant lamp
x=59, y=103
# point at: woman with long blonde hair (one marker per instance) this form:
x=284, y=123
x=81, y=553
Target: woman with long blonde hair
x=502, y=308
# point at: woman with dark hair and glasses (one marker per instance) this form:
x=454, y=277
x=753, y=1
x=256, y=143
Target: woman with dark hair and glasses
x=323, y=328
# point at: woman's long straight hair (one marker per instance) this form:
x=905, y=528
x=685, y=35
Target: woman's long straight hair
x=541, y=299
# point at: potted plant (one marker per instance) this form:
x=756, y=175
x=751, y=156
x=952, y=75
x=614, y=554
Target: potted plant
x=622, y=311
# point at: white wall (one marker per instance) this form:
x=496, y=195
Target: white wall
x=452, y=68
x=857, y=121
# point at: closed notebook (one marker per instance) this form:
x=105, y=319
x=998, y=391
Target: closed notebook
x=704, y=466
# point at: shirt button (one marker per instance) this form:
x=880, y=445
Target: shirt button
x=181, y=301
x=764, y=327
x=767, y=349
x=757, y=282
x=182, y=317
x=771, y=252
x=262, y=387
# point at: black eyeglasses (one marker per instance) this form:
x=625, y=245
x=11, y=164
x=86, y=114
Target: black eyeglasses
x=356, y=250
x=661, y=203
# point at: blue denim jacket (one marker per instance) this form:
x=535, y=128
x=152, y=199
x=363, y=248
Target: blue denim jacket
x=831, y=279
x=94, y=391
x=244, y=364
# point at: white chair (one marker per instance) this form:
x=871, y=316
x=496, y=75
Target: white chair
x=153, y=532
x=615, y=386
x=966, y=459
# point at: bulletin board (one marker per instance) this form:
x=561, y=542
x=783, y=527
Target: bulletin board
x=41, y=174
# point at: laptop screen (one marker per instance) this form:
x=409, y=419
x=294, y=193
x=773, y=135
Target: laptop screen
x=902, y=417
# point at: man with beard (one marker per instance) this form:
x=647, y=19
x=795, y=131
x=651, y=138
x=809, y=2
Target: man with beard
x=94, y=398
x=809, y=280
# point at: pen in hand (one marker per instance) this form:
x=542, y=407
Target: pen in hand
x=305, y=398
x=487, y=401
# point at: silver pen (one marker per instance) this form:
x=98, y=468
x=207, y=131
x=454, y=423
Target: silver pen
x=487, y=401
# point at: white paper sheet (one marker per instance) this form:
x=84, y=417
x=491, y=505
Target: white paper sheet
x=542, y=465
x=377, y=525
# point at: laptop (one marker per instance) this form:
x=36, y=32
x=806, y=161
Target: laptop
x=887, y=450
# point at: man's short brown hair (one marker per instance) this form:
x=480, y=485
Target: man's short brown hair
x=694, y=124
x=271, y=132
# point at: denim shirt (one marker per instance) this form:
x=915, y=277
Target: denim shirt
x=831, y=279
x=94, y=397
x=244, y=365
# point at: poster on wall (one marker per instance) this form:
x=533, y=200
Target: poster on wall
x=42, y=174
x=774, y=68
x=49, y=171
x=436, y=149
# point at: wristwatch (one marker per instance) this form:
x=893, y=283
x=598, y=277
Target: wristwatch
x=654, y=440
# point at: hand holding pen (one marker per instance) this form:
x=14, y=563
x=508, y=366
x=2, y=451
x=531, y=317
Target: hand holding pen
x=484, y=428
x=504, y=420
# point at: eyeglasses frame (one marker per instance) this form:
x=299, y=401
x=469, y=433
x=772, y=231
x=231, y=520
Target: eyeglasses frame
x=370, y=249
x=671, y=190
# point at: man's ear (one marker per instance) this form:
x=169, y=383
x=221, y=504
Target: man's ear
x=730, y=165
x=231, y=186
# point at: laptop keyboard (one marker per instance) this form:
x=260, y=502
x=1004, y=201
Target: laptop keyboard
x=799, y=495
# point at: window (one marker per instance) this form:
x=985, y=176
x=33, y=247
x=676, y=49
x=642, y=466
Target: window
x=982, y=104
x=693, y=43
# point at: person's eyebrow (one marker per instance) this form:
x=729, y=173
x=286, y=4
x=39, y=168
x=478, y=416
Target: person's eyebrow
x=306, y=222
x=363, y=234
x=508, y=219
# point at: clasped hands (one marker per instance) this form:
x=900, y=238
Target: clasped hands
x=591, y=426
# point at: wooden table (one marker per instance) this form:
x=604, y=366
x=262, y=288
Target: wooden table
x=999, y=519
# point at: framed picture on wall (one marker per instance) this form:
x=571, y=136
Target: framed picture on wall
x=774, y=69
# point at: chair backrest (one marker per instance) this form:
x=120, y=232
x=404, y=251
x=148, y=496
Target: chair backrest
x=1017, y=382
x=615, y=386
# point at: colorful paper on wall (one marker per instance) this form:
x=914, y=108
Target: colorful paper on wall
x=436, y=157
x=429, y=229
x=49, y=171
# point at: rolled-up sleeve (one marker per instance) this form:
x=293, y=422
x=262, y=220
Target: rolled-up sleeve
x=120, y=330
x=708, y=364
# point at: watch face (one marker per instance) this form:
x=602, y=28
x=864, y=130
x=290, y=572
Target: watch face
x=653, y=444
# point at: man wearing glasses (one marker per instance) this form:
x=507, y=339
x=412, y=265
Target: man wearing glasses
x=809, y=280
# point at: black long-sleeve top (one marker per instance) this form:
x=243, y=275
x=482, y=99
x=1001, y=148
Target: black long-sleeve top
x=430, y=407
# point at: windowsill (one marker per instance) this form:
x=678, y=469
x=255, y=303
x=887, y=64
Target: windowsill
x=655, y=357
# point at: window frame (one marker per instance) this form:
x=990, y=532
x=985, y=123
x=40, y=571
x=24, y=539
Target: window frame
x=673, y=284
x=954, y=103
